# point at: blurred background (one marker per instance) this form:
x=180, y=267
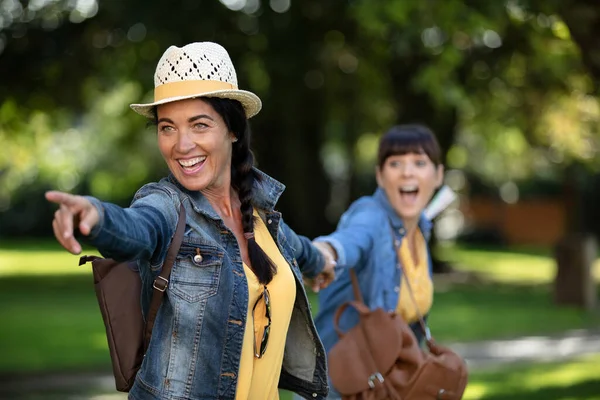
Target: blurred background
x=509, y=87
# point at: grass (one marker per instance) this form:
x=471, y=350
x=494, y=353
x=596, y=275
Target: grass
x=578, y=379
x=51, y=320
x=513, y=298
x=51, y=317
x=467, y=313
x=516, y=266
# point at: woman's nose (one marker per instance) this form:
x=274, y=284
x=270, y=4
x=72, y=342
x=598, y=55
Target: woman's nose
x=407, y=169
x=184, y=142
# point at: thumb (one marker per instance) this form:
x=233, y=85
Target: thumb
x=88, y=220
x=317, y=283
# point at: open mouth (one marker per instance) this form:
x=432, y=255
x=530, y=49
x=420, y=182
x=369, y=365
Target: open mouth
x=409, y=193
x=192, y=165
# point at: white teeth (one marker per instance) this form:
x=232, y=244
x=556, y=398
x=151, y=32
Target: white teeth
x=409, y=188
x=192, y=161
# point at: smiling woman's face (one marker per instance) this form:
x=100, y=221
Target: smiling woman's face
x=196, y=144
x=409, y=181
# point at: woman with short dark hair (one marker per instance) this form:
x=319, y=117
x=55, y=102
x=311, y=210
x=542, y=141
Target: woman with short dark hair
x=379, y=230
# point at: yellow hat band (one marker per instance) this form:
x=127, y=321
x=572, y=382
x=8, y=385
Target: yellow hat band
x=189, y=88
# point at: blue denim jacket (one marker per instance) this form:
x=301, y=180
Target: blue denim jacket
x=363, y=240
x=197, y=338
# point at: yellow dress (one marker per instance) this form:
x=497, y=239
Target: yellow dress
x=419, y=278
x=258, y=377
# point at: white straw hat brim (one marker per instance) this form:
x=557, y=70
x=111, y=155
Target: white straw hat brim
x=249, y=100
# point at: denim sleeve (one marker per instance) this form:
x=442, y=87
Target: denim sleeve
x=356, y=233
x=142, y=231
x=309, y=258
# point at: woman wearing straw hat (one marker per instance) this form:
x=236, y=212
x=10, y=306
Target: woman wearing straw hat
x=236, y=322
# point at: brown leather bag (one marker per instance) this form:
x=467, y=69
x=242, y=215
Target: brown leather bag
x=380, y=358
x=118, y=289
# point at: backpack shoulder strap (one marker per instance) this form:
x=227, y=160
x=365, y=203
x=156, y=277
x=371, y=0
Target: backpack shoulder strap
x=162, y=281
x=355, y=286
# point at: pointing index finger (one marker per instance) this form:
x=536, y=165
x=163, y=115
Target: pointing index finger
x=61, y=198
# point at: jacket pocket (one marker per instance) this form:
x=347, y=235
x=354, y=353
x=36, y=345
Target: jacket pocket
x=195, y=275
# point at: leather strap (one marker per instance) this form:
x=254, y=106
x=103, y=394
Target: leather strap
x=355, y=286
x=162, y=280
x=359, y=306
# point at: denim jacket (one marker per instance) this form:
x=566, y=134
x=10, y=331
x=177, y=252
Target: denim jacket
x=363, y=240
x=197, y=338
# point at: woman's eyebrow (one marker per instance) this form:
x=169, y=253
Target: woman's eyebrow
x=200, y=116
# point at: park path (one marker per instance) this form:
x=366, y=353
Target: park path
x=479, y=355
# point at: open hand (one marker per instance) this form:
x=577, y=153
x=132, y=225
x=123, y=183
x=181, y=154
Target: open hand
x=74, y=212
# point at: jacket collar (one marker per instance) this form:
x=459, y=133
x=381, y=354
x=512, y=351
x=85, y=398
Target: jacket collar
x=424, y=224
x=265, y=194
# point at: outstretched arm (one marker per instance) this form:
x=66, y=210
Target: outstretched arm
x=142, y=231
x=316, y=266
x=355, y=235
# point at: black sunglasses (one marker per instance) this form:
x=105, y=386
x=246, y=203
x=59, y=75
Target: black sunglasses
x=259, y=351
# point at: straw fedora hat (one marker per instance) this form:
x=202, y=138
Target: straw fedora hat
x=201, y=69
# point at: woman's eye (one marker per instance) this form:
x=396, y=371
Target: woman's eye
x=394, y=164
x=166, y=128
x=200, y=125
x=421, y=163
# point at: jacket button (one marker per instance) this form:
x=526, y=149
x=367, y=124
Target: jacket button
x=314, y=395
x=269, y=221
x=197, y=257
x=397, y=289
x=402, y=231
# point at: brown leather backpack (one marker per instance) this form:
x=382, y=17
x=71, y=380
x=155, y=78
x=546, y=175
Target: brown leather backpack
x=380, y=358
x=118, y=289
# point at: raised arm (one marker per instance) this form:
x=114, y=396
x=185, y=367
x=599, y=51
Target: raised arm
x=355, y=234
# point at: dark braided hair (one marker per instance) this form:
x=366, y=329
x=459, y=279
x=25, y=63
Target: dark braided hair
x=242, y=180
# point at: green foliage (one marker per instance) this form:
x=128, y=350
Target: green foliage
x=505, y=85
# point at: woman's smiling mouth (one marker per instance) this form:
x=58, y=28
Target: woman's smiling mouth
x=191, y=165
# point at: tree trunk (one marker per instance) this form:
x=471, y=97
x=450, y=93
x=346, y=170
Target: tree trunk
x=575, y=253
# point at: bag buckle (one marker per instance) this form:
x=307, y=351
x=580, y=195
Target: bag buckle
x=161, y=286
x=440, y=394
x=372, y=378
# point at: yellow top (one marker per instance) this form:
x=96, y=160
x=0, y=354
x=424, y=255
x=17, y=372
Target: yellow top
x=417, y=271
x=258, y=377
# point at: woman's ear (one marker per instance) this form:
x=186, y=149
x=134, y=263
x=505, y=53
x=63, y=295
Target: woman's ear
x=439, y=179
x=378, y=176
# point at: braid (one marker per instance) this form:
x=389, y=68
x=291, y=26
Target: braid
x=242, y=180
